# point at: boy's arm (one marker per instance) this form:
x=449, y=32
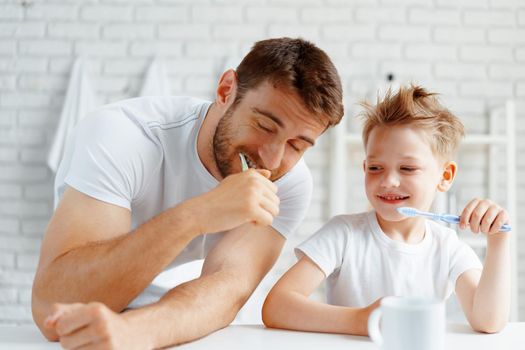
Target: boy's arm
x=288, y=306
x=485, y=296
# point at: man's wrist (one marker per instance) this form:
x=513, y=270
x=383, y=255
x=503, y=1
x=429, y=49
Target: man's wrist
x=139, y=327
x=186, y=218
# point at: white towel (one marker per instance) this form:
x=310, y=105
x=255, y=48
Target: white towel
x=80, y=99
x=156, y=82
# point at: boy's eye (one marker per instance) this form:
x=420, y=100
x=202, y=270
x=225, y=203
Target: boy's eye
x=374, y=168
x=407, y=168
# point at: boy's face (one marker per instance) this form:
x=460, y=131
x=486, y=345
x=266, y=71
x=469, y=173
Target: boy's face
x=401, y=171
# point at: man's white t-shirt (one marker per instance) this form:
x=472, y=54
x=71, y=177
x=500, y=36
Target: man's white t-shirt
x=141, y=154
x=362, y=264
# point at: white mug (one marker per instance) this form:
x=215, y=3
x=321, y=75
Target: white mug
x=408, y=323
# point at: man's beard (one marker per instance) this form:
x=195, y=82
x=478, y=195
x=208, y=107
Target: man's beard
x=222, y=143
x=223, y=150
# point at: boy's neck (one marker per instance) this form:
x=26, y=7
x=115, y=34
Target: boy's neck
x=410, y=230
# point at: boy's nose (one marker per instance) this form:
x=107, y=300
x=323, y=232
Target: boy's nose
x=272, y=155
x=390, y=180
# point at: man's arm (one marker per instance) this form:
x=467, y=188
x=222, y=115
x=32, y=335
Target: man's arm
x=88, y=255
x=230, y=274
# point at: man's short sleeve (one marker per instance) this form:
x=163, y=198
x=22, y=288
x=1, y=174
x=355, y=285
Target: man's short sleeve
x=295, y=193
x=327, y=246
x=112, y=158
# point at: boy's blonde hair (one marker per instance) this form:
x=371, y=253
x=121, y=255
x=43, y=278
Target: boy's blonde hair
x=414, y=106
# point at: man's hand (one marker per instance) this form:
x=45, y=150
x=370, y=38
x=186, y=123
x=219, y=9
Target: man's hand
x=93, y=326
x=240, y=198
x=483, y=215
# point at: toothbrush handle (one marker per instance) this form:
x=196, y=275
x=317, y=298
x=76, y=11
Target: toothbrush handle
x=454, y=219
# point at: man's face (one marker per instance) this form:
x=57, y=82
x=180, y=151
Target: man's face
x=400, y=171
x=270, y=126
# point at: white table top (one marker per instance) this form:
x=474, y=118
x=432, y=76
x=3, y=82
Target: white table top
x=256, y=337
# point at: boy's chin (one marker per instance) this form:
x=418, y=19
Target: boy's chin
x=391, y=216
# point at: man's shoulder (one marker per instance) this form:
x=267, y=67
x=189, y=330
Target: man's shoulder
x=159, y=110
x=142, y=118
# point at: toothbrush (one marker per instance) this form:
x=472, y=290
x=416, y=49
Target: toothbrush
x=244, y=163
x=452, y=219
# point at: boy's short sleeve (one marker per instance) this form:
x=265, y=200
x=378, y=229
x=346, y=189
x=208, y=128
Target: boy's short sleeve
x=111, y=159
x=327, y=246
x=462, y=259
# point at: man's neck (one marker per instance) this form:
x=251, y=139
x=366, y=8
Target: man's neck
x=205, y=141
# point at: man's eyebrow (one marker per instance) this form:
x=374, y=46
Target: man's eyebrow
x=278, y=121
x=269, y=115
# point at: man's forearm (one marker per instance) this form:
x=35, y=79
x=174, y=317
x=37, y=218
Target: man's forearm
x=192, y=310
x=115, y=271
x=492, y=297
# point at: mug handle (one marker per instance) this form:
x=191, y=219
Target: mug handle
x=373, y=327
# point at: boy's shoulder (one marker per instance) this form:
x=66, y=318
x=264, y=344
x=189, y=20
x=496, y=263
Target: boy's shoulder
x=353, y=223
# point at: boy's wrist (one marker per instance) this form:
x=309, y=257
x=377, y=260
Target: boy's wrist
x=497, y=240
x=359, y=319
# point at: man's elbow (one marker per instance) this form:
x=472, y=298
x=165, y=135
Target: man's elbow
x=40, y=310
x=39, y=316
x=239, y=298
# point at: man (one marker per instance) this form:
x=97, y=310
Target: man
x=151, y=183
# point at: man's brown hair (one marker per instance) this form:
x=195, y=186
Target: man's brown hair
x=298, y=65
x=414, y=106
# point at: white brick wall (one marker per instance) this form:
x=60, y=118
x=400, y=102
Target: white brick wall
x=471, y=51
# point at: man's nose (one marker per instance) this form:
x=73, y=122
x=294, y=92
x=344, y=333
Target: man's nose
x=272, y=155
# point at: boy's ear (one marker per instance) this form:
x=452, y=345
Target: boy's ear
x=448, y=176
x=226, y=89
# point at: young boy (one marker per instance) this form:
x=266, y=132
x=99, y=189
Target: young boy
x=409, y=141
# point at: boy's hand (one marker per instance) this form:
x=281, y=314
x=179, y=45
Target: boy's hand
x=483, y=215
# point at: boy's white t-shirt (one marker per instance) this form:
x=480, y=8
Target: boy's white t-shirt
x=141, y=154
x=362, y=264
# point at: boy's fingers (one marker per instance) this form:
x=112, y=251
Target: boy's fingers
x=489, y=218
x=501, y=219
x=476, y=218
x=465, y=215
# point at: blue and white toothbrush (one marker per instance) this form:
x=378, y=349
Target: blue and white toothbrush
x=452, y=219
